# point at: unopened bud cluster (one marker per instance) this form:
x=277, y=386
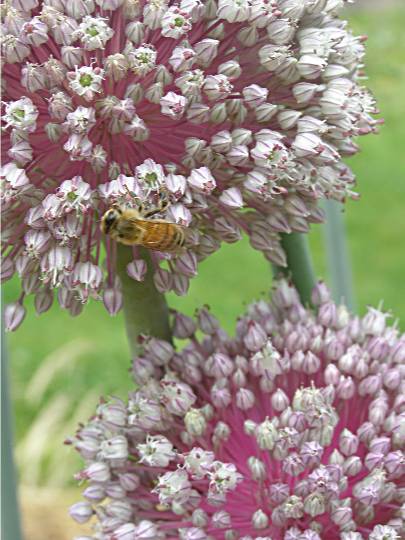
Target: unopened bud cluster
x=224, y=105
x=292, y=430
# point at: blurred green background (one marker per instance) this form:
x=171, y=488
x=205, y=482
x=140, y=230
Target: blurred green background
x=60, y=365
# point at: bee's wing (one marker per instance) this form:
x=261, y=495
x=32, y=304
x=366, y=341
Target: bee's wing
x=156, y=231
x=129, y=226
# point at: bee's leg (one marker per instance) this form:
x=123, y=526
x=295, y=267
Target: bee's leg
x=164, y=202
x=160, y=207
x=141, y=209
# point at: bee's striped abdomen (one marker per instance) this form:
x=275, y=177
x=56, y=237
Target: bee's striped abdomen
x=162, y=236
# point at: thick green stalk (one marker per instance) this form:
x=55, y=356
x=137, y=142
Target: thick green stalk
x=299, y=265
x=338, y=255
x=10, y=523
x=145, y=309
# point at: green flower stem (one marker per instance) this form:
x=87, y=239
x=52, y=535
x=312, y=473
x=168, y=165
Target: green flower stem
x=299, y=265
x=337, y=253
x=10, y=523
x=145, y=309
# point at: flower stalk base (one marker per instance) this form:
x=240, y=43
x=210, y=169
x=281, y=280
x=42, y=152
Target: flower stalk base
x=145, y=309
x=299, y=265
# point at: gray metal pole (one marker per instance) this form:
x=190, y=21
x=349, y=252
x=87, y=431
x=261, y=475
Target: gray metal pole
x=337, y=254
x=10, y=522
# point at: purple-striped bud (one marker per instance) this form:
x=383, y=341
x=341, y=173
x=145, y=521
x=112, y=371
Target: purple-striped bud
x=348, y=442
x=81, y=512
x=112, y=299
x=163, y=280
x=394, y=463
x=206, y=321
x=186, y=264
x=183, y=326
x=161, y=351
x=181, y=284
x=327, y=315
x=14, y=315
x=43, y=301
x=137, y=269
x=255, y=337
x=232, y=197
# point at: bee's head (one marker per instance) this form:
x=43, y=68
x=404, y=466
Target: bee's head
x=109, y=219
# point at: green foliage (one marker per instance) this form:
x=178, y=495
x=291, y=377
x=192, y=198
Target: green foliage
x=91, y=350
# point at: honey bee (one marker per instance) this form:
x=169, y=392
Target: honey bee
x=134, y=227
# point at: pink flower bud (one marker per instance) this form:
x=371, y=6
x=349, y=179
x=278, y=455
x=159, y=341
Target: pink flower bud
x=394, y=463
x=161, y=351
x=311, y=66
x=311, y=363
x=219, y=365
x=327, y=315
x=183, y=326
x=334, y=349
x=43, y=301
x=370, y=385
x=284, y=294
x=232, y=197
x=311, y=453
x=220, y=395
x=380, y=445
x=304, y=92
x=392, y=378
x=254, y=95
x=176, y=183
x=366, y=432
x=206, y=50
x=374, y=322
x=202, y=180
x=221, y=141
x=14, y=315
x=341, y=516
x=279, y=400
x=7, y=269
x=320, y=294
x=173, y=105
x=181, y=284
x=163, y=280
x=207, y=322
x=378, y=348
x=81, y=512
x=346, y=388
x=373, y=460
x=125, y=532
x=112, y=299
x=136, y=269
x=352, y=466
x=198, y=113
x=129, y=481
x=245, y=399
x=398, y=352
x=186, y=264
x=348, y=442
x=94, y=493
x=255, y=337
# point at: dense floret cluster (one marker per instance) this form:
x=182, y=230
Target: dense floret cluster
x=240, y=110
x=292, y=430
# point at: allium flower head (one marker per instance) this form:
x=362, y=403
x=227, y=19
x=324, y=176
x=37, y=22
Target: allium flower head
x=292, y=430
x=227, y=106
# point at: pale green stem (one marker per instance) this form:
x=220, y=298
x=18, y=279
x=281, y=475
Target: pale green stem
x=145, y=309
x=299, y=265
x=10, y=523
x=337, y=254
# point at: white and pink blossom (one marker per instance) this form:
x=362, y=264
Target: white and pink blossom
x=225, y=106
x=273, y=445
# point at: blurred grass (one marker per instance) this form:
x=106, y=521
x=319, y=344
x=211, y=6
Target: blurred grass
x=94, y=345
